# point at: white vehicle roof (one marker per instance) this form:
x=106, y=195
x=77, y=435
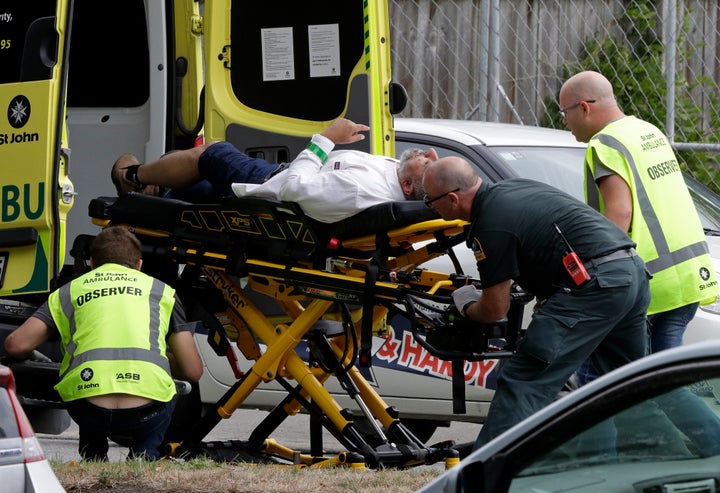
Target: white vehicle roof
x=472, y=132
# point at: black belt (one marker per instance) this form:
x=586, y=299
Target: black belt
x=618, y=254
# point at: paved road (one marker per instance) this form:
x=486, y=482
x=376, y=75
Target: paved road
x=292, y=433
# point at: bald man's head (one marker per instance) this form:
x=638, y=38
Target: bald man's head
x=588, y=85
x=588, y=102
x=449, y=173
x=450, y=183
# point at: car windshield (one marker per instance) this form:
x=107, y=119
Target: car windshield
x=707, y=204
x=562, y=168
x=669, y=439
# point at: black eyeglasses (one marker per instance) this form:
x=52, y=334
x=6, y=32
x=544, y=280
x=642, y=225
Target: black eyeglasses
x=563, y=111
x=429, y=201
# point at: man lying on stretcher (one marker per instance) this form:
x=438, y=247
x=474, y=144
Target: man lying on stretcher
x=328, y=185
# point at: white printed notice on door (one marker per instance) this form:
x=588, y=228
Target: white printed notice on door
x=278, y=57
x=324, y=47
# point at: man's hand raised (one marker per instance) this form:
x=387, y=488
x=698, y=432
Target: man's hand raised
x=344, y=131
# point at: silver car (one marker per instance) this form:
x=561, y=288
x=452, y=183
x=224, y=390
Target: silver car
x=649, y=426
x=23, y=466
x=403, y=372
x=502, y=151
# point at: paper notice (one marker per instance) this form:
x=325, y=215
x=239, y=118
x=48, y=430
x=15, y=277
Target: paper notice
x=324, y=46
x=278, y=57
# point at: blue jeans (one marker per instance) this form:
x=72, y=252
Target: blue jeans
x=665, y=425
x=221, y=165
x=689, y=414
x=666, y=331
x=667, y=328
x=142, y=429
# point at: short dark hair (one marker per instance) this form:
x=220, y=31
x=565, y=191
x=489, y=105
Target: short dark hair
x=116, y=245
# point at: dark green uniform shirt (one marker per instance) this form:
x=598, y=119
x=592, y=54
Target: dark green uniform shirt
x=513, y=237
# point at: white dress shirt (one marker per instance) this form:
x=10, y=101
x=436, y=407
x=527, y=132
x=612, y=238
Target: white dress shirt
x=348, y=182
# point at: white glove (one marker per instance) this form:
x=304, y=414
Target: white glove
x=38, y=356
x=464, y=296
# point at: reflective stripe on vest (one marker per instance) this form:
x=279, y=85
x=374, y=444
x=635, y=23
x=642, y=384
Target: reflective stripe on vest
x=666, y=258
x=151, y=355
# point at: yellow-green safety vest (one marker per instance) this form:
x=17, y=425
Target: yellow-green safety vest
x=665, y=224
x=113, y=322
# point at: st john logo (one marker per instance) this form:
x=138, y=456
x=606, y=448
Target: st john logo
x=18, y=112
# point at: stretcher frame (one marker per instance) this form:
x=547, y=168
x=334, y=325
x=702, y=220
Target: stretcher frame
x=369, y=261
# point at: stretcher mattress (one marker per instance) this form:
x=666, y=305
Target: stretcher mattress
x=260, y=227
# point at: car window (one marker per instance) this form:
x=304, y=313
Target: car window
x=8, y=424
x=109, y=42
x=562, y=168
x=442, y=151
x=671, y=439
x=557, y=166
x=707, y=204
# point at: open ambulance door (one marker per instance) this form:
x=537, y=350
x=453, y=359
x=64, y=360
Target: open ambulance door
x=35, y=192
x=278, y=71
x=134, y=78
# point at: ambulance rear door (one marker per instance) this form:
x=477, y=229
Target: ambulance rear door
x=132, y=74
x=35, y=192
x=278, y=71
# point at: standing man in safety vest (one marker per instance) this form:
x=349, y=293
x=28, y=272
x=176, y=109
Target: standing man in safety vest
x=633, y=177
x=121, y=332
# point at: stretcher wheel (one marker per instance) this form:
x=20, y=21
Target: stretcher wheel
x=171, y=449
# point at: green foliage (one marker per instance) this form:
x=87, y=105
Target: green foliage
x=633, y=60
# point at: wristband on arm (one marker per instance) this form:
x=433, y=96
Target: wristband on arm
x=131, y=174
x=318, y=151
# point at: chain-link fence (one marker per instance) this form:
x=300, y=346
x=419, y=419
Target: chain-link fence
x=505, y=60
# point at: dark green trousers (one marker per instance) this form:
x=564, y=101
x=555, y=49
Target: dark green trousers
x=603, y=319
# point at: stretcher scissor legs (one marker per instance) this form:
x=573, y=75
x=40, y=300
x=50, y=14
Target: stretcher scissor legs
x=372, y=260
x=332, y=346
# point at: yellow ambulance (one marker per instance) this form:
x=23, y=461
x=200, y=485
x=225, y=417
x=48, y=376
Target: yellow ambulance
x=84, y=81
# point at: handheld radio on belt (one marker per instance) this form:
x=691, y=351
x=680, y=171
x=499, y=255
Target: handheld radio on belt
x=571, y=261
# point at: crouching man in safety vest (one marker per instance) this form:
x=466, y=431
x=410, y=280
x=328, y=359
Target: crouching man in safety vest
x=123, y=336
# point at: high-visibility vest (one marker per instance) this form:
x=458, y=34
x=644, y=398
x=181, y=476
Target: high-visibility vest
x=113, y=322
x=665, y=224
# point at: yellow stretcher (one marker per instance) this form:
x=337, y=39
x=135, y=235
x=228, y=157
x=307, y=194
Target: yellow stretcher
x=367, y=265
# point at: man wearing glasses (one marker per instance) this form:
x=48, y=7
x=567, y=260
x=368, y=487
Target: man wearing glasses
x=632, y=176
x=525, y=231
x=329, y=185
